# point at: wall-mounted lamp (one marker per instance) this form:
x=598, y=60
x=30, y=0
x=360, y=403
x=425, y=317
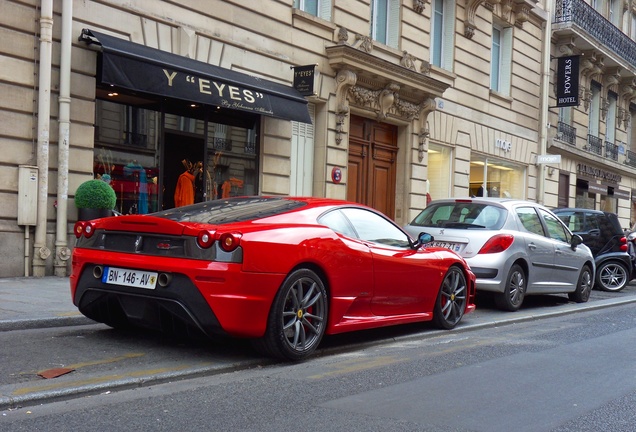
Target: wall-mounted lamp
x=423, y=147
x=550, y=171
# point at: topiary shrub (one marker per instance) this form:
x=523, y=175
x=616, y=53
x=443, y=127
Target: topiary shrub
x=95, y=194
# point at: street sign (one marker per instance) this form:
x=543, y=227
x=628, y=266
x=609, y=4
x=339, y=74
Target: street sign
x=548, y=159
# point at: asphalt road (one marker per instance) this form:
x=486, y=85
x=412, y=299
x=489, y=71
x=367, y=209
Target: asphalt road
x=560, y=373
x=97, y=358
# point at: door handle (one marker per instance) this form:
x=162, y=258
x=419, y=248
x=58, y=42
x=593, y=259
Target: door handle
x=532, y=246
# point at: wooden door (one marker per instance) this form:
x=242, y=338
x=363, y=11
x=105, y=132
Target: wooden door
x=371, y=169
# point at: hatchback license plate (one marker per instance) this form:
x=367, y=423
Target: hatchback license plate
x=128, y=277
x=447, y=245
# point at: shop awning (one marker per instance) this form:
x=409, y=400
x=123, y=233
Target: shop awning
x=144, y=69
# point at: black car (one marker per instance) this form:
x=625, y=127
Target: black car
x=602, y=233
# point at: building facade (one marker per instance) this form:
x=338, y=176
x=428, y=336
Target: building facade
x=389, y=103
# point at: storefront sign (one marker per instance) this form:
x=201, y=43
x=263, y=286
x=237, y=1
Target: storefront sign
x=590, y=171
x=622, y=194
x=140, y=68
x=548, y=159
x=305, y=79
x=597, y=188
x=568, y=81
x=503, y=144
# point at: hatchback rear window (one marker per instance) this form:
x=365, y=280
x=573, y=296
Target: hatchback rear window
x=463, y=215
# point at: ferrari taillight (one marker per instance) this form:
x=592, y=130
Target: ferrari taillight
x=229, y=241
x=205, y=239
x=496, y=244
x=85, y=228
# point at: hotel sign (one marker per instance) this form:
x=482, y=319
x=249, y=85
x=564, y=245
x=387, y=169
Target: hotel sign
x=567, y=88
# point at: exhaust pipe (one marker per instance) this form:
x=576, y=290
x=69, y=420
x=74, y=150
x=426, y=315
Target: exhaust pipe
x=98, y=271
x=164, y=279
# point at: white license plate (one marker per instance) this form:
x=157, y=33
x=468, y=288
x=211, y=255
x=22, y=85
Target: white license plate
x=447, y=245
x=128, y=277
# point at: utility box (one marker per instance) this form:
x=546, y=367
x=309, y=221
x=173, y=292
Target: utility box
x=27, y=195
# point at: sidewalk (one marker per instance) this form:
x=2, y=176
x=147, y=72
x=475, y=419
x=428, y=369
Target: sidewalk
x=29, y=302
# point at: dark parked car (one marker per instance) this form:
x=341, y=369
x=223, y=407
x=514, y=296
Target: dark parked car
x=602, y=233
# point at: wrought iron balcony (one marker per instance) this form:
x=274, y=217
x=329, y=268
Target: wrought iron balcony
x=611, y=150
x=581, y=14
x=630, y=158
x=566, y=133
x=594, y=145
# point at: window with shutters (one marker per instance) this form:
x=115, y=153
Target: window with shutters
x=319, y=8
x=442, y=33
x=302, y=157
x=501, y=59
x=385, y=21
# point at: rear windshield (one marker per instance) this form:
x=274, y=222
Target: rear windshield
x=230, y=210
x=466, y=215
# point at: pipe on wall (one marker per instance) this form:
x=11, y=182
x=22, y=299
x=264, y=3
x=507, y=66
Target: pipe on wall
x=62, y=252
x=41, y=252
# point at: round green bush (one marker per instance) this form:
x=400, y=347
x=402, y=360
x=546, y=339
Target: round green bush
x=95, y=194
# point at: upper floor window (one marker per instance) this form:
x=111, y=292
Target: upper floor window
x=385, y=21
x=501, y=59
x=610, y=133
x=614, y=12
x=595, y=110
x=442, y=29
x=319, y=8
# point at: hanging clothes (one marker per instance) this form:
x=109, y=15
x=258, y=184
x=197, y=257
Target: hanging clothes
x=184, y=192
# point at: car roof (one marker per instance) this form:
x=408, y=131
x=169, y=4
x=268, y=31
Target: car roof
x=580, y=209
x=505, y=202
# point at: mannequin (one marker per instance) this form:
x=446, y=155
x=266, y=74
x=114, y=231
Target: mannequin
x=184, y=192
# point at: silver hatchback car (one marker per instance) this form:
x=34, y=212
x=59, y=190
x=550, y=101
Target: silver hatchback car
x=514, y=247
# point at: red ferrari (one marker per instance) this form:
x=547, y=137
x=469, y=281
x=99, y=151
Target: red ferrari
x=281, y=271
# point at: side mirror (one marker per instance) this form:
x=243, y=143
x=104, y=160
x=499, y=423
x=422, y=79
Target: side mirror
x=576, y=240
x=422, y=239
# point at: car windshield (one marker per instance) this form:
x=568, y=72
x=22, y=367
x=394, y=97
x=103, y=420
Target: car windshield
x=462, y=215
x=230, y=210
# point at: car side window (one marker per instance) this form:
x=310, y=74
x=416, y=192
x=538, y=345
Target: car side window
x=337, y=222
x=374, y=228
x=530, y=220
x=556, y=229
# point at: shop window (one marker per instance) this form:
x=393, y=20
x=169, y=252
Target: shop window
x=231, y=161
x=501, y=59
x=125, y=156
x=442, y=33
x=496, y=178
x=319, y=8
x=439, y=175
x=385, y=21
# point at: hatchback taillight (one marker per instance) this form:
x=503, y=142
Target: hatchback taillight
x=496, y=244
x=623, y=246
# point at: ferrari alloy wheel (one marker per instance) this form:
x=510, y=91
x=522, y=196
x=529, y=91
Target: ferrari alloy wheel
x=451, y=299
x=583, y=286
x=297, y=319
x=612, y=276
x=514, y=291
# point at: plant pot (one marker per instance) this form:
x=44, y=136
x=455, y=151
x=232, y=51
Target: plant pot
x=84, y=214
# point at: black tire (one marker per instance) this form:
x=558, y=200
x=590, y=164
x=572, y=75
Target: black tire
x=297, y=318
x=612, y=276
x=515, y=290
x=451, y=299
x=583, y=286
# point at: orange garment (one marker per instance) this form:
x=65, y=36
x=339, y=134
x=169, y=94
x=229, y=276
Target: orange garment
x=184, y=193
x=226, y=188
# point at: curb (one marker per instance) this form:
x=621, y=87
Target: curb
x=35, y=323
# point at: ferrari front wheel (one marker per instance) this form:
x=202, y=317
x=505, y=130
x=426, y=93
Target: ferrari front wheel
x=451, y=299
x=297, y=318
